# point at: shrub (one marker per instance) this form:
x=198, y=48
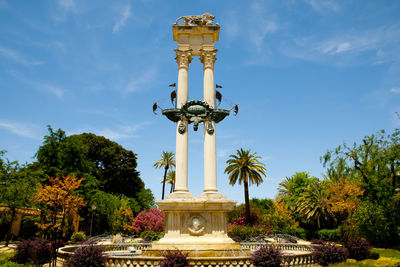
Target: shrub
x=41, y=251
x=37, y=251
x=150, y=236
x=329, y=234
x=372, y=223
x=358, y=249
x=23, y=254
x=318, y=242
x=238, y=214
x=266, y=256
x=241, y=233
x=87, y=256
x=175, y=258
x=78, y=237
x=300, y=233
x=152, y=220
x=330, y=253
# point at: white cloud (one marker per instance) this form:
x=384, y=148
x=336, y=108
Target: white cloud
x=119, y=132
x=58, y=92
x=141, y=82
x=262, y=25
x=21, y=129
x=67, y=5
x=13, y=55
x=42, y=86
x=381, y=41
x=321, y=6
x=395, y=90
x=125, y=14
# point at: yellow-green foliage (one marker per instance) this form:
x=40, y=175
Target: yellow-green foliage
x=5, y=260
x=388, y=258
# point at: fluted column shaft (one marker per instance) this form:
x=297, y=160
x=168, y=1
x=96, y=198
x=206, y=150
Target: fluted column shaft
x=183, y=58
x=210, y=158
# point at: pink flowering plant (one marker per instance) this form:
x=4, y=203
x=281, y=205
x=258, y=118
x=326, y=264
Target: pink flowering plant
x=152, y=220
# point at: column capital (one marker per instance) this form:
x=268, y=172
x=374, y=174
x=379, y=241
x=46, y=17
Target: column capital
x=183, y=58
x=208, y=58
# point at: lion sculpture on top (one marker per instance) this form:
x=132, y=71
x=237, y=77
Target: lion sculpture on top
x=205, y=19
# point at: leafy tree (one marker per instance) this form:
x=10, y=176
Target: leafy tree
x=343, y=197
x=17, y=184
x=282, y=220
x=166, y=161
x=245, y=168
x=375, y=161
x=60, y=156
x=112, y=165
x=266, y=205
x=59, y=198
x=109, y=171
x=105, y=164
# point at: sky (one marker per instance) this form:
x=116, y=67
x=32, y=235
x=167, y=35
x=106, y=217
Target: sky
x=307, y=75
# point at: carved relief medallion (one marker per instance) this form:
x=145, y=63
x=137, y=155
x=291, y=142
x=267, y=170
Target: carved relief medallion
x=196, y=225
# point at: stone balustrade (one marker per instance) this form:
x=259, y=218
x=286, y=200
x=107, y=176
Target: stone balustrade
x=304, y=258
x=281, y=246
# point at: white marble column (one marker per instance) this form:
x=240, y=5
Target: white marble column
x=183, y=58
x=208, y=58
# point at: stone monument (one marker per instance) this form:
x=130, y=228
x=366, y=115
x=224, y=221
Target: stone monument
x=197, y=224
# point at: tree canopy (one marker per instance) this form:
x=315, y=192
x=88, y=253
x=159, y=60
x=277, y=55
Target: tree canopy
x=104, y=164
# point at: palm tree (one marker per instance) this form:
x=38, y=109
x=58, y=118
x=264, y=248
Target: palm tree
x=246, y=168
x=171, y=180
x=167, y=161
x=312, y=204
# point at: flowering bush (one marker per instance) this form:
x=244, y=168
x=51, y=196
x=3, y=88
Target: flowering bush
x=152, y=220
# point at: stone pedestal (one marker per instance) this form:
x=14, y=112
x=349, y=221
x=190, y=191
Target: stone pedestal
x=197, y=225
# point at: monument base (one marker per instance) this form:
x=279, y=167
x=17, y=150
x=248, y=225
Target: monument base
x=197, y=225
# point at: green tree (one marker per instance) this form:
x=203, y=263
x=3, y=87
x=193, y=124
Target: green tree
x=245, y=168
x=17, y=185
x=113, y=166
x=312, y=204
x=375, y=161
x=290, y=189
x=108, y=168
x=166, y=161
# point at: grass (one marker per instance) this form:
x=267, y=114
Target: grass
x=5, y=260
x=387, y=257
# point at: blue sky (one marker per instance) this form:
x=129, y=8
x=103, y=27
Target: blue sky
x=308, y=75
